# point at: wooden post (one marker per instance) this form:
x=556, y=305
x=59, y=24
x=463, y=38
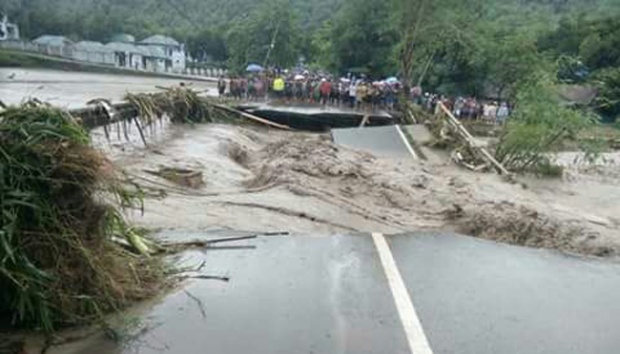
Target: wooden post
x=470, y=140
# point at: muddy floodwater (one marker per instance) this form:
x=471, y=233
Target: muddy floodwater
x=69, y=89
x=262, y=180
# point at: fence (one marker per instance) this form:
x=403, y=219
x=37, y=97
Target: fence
x=56, y=51
x=82, y=55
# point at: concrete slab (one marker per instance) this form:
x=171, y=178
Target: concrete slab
x=316, y=110
x=316, y=117
x=479, y=297
x=381, y=141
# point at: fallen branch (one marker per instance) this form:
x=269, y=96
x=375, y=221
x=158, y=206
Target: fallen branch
x=198, y=302
x=230, y=239
x=210, y=277
x=252, y=117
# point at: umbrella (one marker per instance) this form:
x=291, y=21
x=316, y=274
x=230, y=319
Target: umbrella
x=254, y=68
x=391, y=80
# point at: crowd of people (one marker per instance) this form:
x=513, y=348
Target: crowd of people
x=357, y=93
x=465, y=107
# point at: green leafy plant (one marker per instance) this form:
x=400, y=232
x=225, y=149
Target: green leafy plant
x=538, y=126
x=60, y=203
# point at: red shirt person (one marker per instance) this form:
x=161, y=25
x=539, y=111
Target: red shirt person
x=325, y=88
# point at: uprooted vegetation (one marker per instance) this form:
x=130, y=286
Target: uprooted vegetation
x=61, y=207
x=180, y=104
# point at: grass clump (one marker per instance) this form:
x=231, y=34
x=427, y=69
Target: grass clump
x=60, y=207
x=180, y=104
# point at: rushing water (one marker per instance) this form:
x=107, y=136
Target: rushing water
x=73, y=89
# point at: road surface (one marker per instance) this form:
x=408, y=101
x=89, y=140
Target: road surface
x=70, y=89
x=386, y=141
x=341, y=294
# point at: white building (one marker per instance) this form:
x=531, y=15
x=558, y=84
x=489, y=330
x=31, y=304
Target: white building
x=8, y=31
x=94, y=52
x=153, y=58
x=174, y=52
x=55, y=45
x=126, y=55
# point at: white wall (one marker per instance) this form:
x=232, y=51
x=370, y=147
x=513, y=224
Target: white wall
x=135, y=61
x=98, y=57
x=155, y=65
x=178, y=61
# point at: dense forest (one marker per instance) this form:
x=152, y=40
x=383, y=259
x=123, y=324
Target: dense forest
x=98, y=19
x=475, y=47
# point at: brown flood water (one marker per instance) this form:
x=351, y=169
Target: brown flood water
x=68, y=89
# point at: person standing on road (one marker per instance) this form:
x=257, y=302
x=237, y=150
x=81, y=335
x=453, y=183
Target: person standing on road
x=326, y=89
x=360, y=94
x=352, y=94
x=502, y=113
x=221, y=86
x=278, y=87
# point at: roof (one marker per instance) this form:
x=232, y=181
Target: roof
x=53, y=40
x=148, y=51
x=123, y=38
x=161, y=40
x=92, y=46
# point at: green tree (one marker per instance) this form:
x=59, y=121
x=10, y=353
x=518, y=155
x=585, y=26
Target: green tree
x=320, y=48
x=363, y=38
x=270, y=36
x=207, y=44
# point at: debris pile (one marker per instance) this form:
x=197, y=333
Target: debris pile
x=181, y=105
x=61, y=204
x=507, y=223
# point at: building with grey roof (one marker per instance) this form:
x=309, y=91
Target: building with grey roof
x=54, y=45
x=174, y=52
x=93, y=52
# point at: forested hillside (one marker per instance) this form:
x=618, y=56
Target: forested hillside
x=98, y=19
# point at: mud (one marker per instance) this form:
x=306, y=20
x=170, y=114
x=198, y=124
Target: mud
x=266, y=180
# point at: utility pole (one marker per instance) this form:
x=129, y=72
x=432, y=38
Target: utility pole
x=273, y=43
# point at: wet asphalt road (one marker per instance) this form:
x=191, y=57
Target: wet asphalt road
x=331, y=295
x=478, y=297
x=384, y=141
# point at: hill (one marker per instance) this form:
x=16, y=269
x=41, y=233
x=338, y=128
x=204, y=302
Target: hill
x=99, y=19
